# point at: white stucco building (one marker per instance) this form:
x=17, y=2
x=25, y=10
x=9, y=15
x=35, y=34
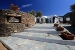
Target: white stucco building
x=49, y=19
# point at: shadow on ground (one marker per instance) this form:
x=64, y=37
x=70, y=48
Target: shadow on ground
x=62, y=37
x=71, y=29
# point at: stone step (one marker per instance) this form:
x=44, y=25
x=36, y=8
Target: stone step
x=39, y=35
x=62, y=42
x=52, y=46
x=44, y=31
x=43, y=27
x=22, y=43
x=40, y=29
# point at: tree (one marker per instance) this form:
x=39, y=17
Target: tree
x=72, y=15
x=32, y=12
x=67, y=14
x=72, y=7
x=39, y=14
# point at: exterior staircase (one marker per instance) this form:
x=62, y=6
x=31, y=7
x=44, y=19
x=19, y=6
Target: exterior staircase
x=38, y=37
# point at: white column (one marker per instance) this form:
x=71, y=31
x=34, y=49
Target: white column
x=56, y=20
x=39, y=19
x=44, y=20
x=49, y=20
x=35, y=19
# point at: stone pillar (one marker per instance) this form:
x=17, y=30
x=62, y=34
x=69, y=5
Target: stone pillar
x=48, y=20
x=35, y=19
x=40, y=20
x=56, y=20
x=44, y=20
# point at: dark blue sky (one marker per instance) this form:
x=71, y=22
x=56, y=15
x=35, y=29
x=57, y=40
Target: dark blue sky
x=48, y=7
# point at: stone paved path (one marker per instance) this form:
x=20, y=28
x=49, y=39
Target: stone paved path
x=38, y=37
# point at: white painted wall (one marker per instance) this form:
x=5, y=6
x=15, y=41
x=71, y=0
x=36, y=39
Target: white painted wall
x=67, y=19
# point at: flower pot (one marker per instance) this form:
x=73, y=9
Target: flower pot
x=67, y=36
x=60, y=28
x=56, y=24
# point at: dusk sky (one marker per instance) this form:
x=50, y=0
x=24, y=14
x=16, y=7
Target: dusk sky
x=48, y=7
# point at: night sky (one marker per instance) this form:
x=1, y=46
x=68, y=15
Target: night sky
x=48, y=7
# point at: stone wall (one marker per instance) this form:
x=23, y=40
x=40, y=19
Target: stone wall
x=17, y=27
x=6, y=28
x=28, y=19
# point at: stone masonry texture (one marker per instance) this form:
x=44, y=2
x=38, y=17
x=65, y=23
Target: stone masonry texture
x=6, y=27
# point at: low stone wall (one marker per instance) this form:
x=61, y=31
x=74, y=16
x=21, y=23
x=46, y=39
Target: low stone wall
x=6, y=27
x=17, y=27
x=28, y=19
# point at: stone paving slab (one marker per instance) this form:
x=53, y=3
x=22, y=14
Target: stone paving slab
x=26, y=44
x=41, y=35
x=38, y=37
x=50, y=31
x=59, y=41
x=40, y=29
x=44, y=27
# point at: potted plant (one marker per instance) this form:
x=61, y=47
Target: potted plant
x=56, y=24
x=59, y=28
x=67, y=35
